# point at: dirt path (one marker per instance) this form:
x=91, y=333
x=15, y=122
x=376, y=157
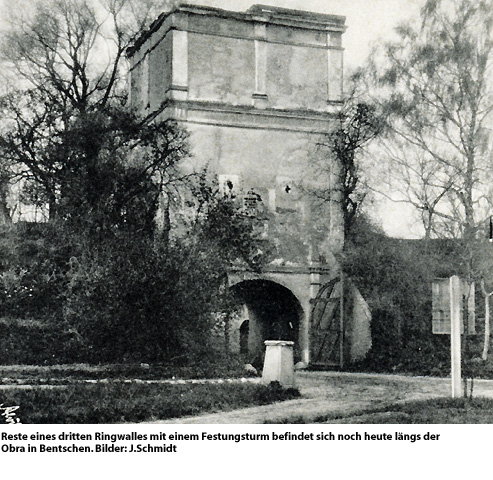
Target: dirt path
x=334, y=393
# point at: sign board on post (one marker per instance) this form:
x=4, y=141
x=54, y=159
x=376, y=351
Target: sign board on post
x=441, y=306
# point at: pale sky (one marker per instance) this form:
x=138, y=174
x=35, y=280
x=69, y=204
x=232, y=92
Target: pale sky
x=367, y=20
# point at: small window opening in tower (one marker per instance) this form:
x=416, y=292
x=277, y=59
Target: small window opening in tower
x=229, y=185
x=287, y=188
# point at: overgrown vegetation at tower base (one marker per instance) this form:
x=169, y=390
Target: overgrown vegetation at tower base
x=101, y=282
x=119, y=402
x=395, y=277
x=59, y=307
x=125, y=300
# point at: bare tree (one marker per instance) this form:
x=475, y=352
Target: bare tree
x=411, y=176
x=435, y=82
x=72, y=51
x=338, y=160
x=62, y=59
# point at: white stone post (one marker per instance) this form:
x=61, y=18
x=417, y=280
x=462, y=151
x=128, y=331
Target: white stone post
x=279, y=363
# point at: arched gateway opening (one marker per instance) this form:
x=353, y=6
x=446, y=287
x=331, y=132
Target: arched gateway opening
x=269, y=311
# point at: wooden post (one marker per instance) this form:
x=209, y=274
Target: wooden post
x=455, y=324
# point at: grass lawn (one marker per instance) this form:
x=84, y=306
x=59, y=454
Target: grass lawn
x=118, y=402
x=437, y=411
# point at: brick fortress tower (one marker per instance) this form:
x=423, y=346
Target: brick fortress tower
x=256, y=90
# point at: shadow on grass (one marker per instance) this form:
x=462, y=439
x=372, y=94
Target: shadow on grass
x=434, y=411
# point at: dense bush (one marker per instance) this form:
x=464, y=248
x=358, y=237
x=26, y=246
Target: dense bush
x=34, y=342
x=130, y=301
x=34, y=260
x=140, y=303
x=395, y=277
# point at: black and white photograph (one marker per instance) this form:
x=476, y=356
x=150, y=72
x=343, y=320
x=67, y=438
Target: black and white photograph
x=273, y=220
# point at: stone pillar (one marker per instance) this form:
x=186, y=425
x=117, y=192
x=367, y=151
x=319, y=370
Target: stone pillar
x=179, y=66
x=272, y=200
x=334, y=242
x=279, y=363
x=259, y=97
x=335, y=67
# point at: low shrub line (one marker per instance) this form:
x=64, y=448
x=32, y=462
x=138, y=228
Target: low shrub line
x=230, y=369
x=73, y=381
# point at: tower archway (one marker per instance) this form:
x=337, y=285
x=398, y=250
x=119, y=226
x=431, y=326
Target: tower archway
x=270, y=312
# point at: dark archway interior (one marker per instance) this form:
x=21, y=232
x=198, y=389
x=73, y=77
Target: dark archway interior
x=274, y=314
x=244, y=334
